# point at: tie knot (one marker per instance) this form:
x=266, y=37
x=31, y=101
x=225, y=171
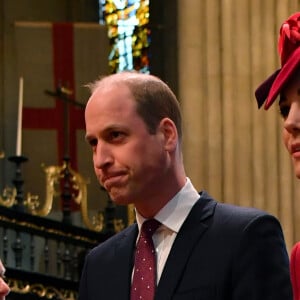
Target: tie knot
x=149, y=227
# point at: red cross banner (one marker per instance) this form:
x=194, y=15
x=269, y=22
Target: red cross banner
x=56, y=60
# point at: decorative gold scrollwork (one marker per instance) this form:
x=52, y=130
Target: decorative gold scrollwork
x=80, y=184
x=130, y=214
x=40, y=290
x=54, y=174
x=53, y=177
x=8, y=198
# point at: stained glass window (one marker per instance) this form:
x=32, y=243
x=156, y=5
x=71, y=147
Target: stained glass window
x=127, y=22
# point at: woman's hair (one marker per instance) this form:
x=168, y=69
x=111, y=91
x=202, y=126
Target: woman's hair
x=155, y=100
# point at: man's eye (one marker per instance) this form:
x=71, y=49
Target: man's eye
x=284, y=111
x=116, y=135
x=93, y=142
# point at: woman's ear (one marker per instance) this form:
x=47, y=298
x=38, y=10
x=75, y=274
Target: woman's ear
x=168, y=128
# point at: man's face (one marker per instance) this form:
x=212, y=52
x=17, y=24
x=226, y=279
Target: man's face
x=130, y=163
x=4, y=289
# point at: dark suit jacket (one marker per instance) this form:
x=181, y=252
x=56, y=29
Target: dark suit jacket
x=221, y=252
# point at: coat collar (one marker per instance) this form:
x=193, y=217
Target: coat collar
x=193, y=228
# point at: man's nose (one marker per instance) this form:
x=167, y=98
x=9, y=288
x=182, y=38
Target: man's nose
x=103, y=155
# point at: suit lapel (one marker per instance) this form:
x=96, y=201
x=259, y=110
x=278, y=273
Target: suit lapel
x=124, y=261
x=192, y=229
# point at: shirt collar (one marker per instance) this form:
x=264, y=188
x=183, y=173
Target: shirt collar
x=174, y=213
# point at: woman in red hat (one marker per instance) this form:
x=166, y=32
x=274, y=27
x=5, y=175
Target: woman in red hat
x=285, y=83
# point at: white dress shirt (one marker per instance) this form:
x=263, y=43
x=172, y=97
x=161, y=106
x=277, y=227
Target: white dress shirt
x=172, y=216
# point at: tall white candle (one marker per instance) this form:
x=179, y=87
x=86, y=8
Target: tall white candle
x=20, y=112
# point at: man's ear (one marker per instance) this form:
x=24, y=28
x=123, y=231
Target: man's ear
x=168, y=128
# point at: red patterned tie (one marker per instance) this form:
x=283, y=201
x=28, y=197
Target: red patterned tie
x=144, y=277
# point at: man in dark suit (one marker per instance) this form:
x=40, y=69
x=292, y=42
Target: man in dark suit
x=204, y=249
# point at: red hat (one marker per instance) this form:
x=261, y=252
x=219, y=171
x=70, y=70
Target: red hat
x=289, y=51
